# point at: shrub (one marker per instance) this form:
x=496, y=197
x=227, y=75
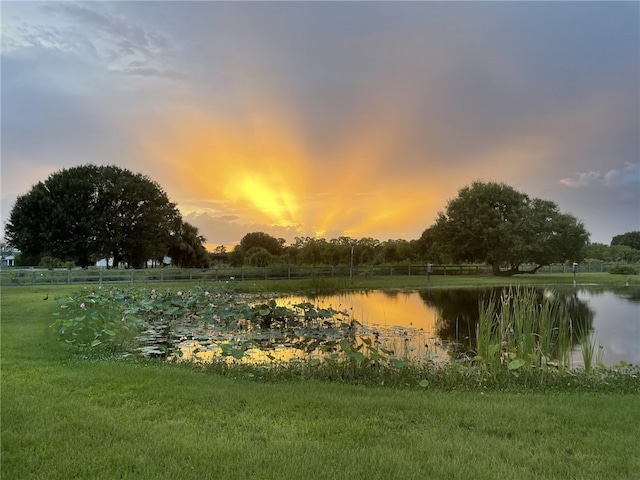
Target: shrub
x=50, y=262
x=623, y=270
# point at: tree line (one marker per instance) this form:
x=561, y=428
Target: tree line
x=488, y=222
x=369, y=251
x=83, y=214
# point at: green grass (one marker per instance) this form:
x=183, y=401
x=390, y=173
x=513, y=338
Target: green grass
x=64, y=416
x=436, y=281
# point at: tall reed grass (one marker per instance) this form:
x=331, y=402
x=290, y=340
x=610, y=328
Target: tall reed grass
x=591, y=356
x=523, y=330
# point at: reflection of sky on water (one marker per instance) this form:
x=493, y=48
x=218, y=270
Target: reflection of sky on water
x=408, y=326
x=616, y=320
x=616, y=324
x=405, y=323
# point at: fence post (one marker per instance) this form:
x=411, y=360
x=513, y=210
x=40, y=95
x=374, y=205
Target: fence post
x=132, y=272
x=68, y=277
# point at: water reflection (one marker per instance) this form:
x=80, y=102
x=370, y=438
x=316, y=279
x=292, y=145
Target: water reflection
x=443, y=321
x=441, y=324
x=616, y=323
x=459, y=310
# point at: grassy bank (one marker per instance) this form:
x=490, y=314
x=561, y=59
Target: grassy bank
x=440, y=281
x=68, y=417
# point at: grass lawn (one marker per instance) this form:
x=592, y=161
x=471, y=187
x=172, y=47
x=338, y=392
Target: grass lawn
x=444, y=281
x=65, y=417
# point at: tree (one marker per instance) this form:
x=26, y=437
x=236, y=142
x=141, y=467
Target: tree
x=90, y=212
x=53, y=219
x=187, y=249
x=597, y=251
x=310, y=250
x=623, y=253
x=494, y=223
x=236, y=257
x=134, y=216
x=220, y=250
x=615, y=253
x=629, y=239
x=260, y=239
x=258, y=257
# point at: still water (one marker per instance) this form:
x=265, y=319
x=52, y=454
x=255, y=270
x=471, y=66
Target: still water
x=439, y=324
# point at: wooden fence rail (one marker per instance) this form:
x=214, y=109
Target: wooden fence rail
x=40, y=276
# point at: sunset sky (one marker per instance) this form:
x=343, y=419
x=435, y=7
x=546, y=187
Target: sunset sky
x=329, y=118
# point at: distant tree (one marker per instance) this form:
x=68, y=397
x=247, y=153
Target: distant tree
x=597, y=251
x=236, y=257
x=219, y=255
x=90, y=212
x=623, y=254
x=366, y=250
x=613, y=254
x=493, y=223
x=187, y=249
x=310, y=250
x=260, y=239
x=258, y=257
x=630, y=239
x=396, y=251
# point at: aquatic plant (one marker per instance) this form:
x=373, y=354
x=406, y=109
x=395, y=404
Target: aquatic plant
x=99, y=319
x=519, y=330
x=524, y=340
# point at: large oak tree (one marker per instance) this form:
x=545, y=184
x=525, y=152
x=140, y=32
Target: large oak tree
x=494, y=223
x=89, y=212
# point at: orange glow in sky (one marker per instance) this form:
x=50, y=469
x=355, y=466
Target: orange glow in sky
x=258, y=169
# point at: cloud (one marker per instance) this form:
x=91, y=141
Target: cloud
x=582, y=179
x=90, y=33
x=627, y=176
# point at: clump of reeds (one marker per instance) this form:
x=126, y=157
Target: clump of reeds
x=589, y=351
x=523, y=330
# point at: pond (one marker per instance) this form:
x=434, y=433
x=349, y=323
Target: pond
x=434, y=324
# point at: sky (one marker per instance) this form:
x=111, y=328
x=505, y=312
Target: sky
x=325, y=119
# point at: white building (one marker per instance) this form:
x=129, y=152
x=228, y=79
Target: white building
x=8, y=256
